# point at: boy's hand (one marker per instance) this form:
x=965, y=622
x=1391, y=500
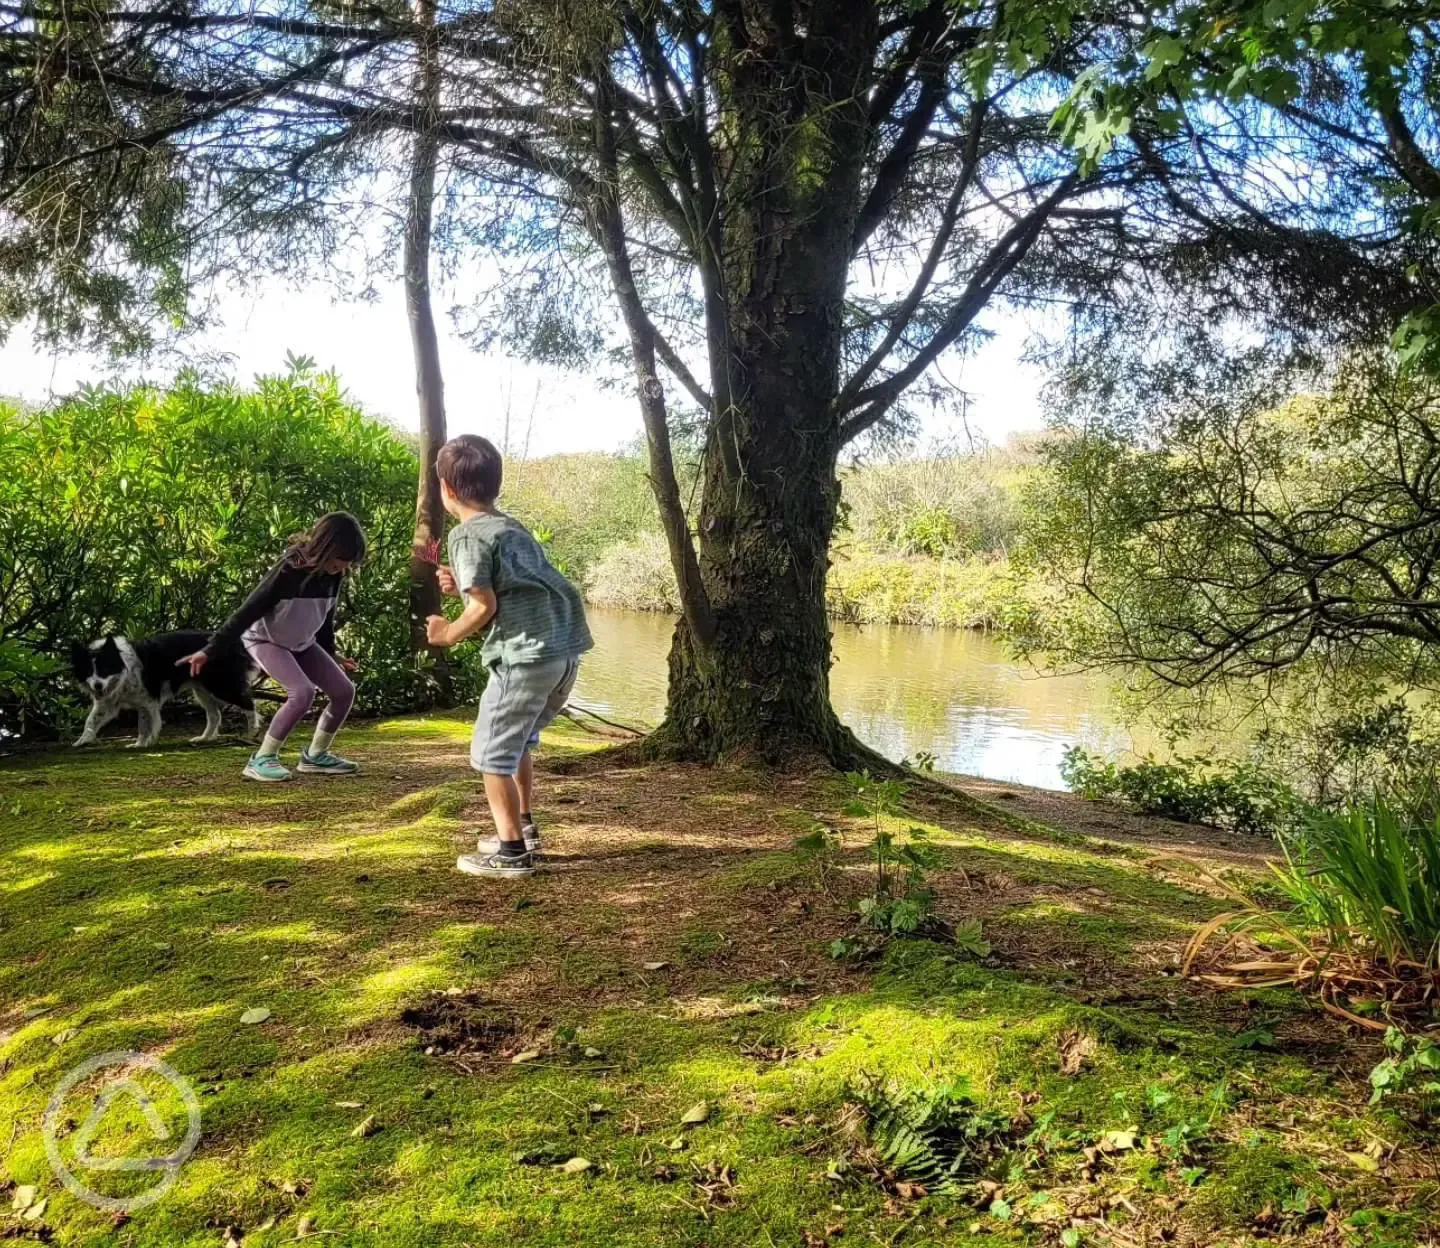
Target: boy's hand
x=194, y=662
x=437, y=630
x=448, y=584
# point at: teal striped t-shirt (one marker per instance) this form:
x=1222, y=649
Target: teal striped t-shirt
x=539, y=615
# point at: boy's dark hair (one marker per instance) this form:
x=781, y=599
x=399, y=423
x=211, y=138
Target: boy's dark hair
x=472, y=468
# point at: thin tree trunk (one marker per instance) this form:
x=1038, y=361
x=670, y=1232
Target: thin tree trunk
x=425, y=598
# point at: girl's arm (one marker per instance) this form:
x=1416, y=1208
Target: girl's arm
x=326, y=635
x=268, y=594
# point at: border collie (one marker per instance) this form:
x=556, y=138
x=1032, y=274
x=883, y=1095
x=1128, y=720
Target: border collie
x=120, y=674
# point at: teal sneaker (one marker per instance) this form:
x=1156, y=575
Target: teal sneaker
x=266, y=767
x=326, y=764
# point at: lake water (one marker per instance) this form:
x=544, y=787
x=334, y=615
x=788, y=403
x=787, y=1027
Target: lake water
x=953, y=694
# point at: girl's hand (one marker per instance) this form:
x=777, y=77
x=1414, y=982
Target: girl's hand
x=437, y=630
x=348, y=664
x=447, y=580
x=194, y=662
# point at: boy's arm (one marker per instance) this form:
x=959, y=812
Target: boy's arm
x=480, y=607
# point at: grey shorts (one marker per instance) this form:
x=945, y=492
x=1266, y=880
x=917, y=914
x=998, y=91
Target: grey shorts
x=519, y=700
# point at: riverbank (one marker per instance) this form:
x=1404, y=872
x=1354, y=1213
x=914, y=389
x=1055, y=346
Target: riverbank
x=864, y=586
x=662, y=1005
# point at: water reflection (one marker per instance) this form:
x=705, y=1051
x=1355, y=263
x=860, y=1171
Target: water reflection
x=952, y=694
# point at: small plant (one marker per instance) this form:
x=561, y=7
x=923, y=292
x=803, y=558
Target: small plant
x=901, y=902
x=938, y=1136
x=1413, y=1066
x=821, y=847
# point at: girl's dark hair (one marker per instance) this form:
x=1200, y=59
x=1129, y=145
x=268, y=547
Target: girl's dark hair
x=337, y=535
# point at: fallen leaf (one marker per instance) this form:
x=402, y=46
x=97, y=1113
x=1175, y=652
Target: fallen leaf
x=366, y=1128
x=678, y=1144
x=305, y=1227
x=595, y=1109
x=592, y=1054
x=1363, y=1161
x=36, y=1211
x=695, y=1115
x=267, y=1225
x=258, y=1015
x=528, y=1056
x=349, y=1104
x=910, y=1191
x=35, y=1011
x=60, y=1037
x=24, y=1197
x=576, y=1165
x=1118, y=1141
x=656, y=966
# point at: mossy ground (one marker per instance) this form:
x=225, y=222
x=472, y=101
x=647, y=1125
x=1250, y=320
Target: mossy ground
x=675, y=954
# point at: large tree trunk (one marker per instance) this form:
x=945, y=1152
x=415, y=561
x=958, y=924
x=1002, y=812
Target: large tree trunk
x=425, y=597
x=750, y=664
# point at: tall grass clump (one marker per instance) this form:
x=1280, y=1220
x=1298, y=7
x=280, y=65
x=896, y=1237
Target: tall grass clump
x=1362, y=927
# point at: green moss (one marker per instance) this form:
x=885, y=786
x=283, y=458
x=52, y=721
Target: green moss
x=148, y=901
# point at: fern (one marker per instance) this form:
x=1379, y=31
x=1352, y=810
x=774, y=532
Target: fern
x=938, y=1136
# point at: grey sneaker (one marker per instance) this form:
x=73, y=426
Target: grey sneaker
x=326, y=764
x=266, y=767
x=491, y=845
x=496, y=866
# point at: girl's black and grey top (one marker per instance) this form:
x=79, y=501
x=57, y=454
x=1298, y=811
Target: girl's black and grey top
x=293, y=607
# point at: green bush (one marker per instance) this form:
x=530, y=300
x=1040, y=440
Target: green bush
x=1236, y=795
x=136, y=510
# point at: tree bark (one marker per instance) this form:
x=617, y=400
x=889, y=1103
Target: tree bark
x=775, y=312
x=425, y=597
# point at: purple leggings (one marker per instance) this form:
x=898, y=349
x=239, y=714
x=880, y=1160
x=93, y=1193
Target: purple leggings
x=301, y=673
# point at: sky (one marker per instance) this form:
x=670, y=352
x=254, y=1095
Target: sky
x=367, y=344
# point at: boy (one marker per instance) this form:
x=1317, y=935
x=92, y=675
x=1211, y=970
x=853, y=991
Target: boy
x=536, y=635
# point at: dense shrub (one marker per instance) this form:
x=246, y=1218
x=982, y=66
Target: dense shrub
x=946, y=506
x=1233, y=795
x=588, y=505
x=635, y=575
x=135, y=510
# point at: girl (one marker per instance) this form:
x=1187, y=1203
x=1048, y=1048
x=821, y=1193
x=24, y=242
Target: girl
x=288, y=627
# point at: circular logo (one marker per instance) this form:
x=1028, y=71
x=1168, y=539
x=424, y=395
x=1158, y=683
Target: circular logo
x=121, y=1083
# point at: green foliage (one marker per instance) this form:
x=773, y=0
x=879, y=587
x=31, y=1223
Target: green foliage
x=1239, y=796
x=1368, y=876
x=901, y=902
x=938, y=1136
x=1413, y=1066
x=135, y=510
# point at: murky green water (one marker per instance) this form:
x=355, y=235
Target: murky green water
x=903, y=690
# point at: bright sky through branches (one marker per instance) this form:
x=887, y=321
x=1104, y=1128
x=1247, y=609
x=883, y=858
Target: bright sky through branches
x=367, y=344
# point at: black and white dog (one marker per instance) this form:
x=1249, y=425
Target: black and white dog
x=142, y=676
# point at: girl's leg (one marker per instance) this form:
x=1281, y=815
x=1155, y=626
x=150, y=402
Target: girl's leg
x=281, y=665
x=329, y=676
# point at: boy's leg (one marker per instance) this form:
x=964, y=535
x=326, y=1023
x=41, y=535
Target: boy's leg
x=525, y=778
x=513, y=700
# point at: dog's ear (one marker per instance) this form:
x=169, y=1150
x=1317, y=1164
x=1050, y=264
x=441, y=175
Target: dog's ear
x=79, y=660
